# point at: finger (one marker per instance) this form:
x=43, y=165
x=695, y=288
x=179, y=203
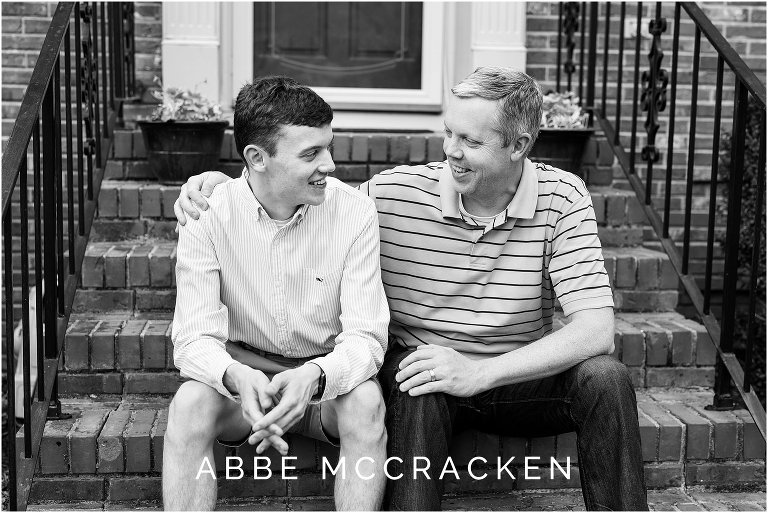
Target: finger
x=275, y=416
x=265, y=398
x=272, y=440
x=278, y=443
x=198, y=199
x=430, y=387
x=414, y=357
x=415, y=381
x=414, y=368
x=185, y=203
x=208, y=184
x=179, y=212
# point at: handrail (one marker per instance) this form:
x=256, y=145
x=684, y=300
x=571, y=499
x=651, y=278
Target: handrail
x=21, y=132
x=654, y=81
x=724, y=49
x=37, y=135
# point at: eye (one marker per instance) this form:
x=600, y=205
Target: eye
x=311, y=155
x=448, y=133
x=472, y=144
x=330, y=148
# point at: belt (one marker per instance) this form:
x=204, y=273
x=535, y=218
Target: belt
x=278, y=359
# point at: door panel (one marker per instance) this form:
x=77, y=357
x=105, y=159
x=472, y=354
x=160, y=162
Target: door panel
x=340, y=44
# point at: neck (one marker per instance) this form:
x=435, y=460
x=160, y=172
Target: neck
x=489, y=201
x=273, y=205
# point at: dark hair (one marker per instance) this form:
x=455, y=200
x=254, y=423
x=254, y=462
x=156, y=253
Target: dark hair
x=265, y=104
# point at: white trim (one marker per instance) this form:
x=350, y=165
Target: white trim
x=428, y=98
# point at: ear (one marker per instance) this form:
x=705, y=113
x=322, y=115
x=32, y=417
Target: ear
x=255, y=158
x=520, y=147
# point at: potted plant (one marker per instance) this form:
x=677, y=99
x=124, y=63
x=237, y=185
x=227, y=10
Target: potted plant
x=184, y=134
x=565, y=130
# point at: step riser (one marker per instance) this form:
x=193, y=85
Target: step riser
x=135, y=356
x=681, y=444
x=743, y=475
x=164, y=300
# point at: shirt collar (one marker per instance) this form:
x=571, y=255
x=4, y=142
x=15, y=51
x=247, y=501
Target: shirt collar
x=522, y=206
x=255, y=206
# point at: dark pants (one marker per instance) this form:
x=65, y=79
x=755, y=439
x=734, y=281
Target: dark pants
x=595, y=398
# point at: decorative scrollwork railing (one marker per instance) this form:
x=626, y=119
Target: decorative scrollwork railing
x=682, y=169
x=65, y=184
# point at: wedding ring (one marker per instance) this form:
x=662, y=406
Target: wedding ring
x=432, y=375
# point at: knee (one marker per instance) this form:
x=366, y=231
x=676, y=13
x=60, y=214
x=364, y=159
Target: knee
x=604, y=377
x=192, y=414
x=362, y=410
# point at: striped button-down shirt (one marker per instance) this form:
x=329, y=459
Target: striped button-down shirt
x=309, y=288
x=483, y=289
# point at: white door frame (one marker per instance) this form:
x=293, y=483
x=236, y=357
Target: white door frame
x=429, y=98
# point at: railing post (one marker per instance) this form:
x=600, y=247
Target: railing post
x=592, y=55
x=723, y=398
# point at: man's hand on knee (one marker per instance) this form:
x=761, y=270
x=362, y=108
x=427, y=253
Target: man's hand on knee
x=257, y=395
x=295, y=387
x=432, y=369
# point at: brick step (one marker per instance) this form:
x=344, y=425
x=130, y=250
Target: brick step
x=163, y=300
x=149, y=199
x=368, y=153
x=123, y=354
x=112, y=450
x=665, y=499
x=141, y=264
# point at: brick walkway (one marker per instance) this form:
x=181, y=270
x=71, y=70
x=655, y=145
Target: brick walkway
x=532, y=500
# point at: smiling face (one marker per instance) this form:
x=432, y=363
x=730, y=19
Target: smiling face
x=484, y=171
x=295, y=174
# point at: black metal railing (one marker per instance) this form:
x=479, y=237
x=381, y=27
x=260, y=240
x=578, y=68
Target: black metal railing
x=69, y=128
x=692, y=171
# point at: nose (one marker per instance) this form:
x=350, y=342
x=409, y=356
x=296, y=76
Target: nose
x=327, y=166
x=451, y=147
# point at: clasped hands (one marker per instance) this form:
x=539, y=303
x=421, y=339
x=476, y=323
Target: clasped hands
x=272, y=407
x=432, y=368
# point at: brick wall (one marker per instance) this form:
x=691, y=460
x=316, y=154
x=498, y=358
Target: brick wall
x=744, y=26
x=24, y=26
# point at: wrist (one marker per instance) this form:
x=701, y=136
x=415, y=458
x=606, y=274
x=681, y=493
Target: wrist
x=232, y=377
x=318, y=376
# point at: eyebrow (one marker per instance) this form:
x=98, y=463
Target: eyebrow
x=317, y=146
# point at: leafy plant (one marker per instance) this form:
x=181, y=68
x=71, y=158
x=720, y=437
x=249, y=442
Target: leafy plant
x=562, y=110
x=749, y=216
x=183, y=105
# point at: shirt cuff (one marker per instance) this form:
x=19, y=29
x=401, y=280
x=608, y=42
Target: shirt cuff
x=334, y=377
x=218, y=371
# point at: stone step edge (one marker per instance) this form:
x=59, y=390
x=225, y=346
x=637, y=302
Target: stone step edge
x=640, y=340
x=108, y=442
x=152, y=264
x=143, y=300
x=121, y=199
x=746, y=476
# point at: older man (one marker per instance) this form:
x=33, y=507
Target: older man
x=474, y=252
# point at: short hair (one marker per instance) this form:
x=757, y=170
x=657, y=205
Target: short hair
x=266, y=104
x=518, y=94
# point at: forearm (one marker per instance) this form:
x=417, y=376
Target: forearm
x=588, y=334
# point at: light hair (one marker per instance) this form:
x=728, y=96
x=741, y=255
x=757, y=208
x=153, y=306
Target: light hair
x=518, y=94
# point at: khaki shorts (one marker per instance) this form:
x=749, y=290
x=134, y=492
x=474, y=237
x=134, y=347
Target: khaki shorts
x=311, y=424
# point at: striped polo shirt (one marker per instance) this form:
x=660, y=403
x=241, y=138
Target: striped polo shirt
x=488, y=289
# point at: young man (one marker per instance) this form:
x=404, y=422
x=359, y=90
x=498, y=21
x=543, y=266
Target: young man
x=474, y=252
x=281, y=319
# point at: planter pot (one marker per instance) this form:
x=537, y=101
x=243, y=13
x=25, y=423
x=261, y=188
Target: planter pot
x=177, y=150
x=562, y=148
